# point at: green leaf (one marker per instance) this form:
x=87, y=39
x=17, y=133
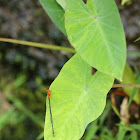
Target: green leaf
x=131, y=79
x=134, y=135
x=127, y=137
x=62, y=3
x=134, y=91
x=121, y=133
x=122, y=125
x=135, y=126
x=124, y=1
x=55, y=12
x=106, y=112
x=91, y=131
x=97, y=124
x=77, y=98
x=137, y=39
x=105, y=130
x=40, y=136
x=96, y=32
x=116, y=111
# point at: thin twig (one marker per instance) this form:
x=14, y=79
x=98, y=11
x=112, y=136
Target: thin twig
x=38, y=45
x=126, y=85
x=53, y=47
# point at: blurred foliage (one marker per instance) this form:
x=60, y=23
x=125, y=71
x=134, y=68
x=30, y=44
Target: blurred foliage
x=23, y=109
x=126, y=2
x=137, y=39
x=131, y=79
x=100, y=129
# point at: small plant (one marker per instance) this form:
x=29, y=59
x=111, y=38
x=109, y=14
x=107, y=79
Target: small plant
x=95, y=30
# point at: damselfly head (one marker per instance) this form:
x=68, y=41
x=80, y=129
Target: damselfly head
x=48, y=90
x=48, y=93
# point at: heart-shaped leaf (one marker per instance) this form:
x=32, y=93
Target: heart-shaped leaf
x=77, y=98
x=96, y=32
x=55, y=12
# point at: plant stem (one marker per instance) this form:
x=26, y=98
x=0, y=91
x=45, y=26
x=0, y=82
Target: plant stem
x=38, y=45
x=126, y=85
x=53, y=47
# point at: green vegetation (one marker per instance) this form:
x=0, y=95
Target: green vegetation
x=80, y=103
